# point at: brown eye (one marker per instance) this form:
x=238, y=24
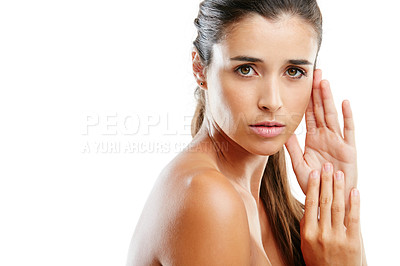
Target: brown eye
x=292, y=71
x=295, y=73
x=245, y=70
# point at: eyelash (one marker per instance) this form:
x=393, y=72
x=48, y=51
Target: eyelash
x=241, y=67
x=302, y=72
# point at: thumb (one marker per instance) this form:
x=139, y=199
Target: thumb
x=297, y=159
x=295, y=152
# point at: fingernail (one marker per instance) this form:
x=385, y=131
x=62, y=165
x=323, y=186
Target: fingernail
x=314, y=174
x=327, y=167
x=355, y=192
x=339, y=176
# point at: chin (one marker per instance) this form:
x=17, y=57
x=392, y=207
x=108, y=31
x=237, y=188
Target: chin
x=266, y=149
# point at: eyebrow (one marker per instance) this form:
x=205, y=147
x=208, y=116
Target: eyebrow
x=299, y=62
x=246, y=58
x=255, y=60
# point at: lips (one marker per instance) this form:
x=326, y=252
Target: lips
x=267, y=132
x=268, y=129
x=268, y=124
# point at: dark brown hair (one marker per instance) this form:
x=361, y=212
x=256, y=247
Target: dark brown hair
x=284, y=211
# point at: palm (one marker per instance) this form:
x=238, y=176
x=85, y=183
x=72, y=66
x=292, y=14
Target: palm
x=324, y=141
x=326, y=146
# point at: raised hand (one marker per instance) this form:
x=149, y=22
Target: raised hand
x=324, y=140
x=331, y=239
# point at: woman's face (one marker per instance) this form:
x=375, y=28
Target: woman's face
x=262, y=71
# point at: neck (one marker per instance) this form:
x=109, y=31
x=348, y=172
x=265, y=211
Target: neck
x=237, y=164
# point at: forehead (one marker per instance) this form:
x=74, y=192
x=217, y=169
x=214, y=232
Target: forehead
x=289, y=37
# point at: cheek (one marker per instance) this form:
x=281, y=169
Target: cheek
x=296, y=103
x=223, y=105
x=232, y=103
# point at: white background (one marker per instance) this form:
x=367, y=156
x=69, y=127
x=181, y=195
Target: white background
x=123, y=65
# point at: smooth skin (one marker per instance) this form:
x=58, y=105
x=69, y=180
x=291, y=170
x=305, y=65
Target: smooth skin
x=205, y=208
x=326, y=145
x=324, y=140
x=331, y=239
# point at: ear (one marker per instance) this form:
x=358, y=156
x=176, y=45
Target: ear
x=198, y=69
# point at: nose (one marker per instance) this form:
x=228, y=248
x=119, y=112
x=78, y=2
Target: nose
x=270, y=96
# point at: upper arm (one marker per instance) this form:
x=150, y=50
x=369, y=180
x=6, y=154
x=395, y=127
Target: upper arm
x=211, y=227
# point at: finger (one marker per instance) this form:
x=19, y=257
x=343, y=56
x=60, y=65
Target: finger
x=296, y=156
x=311, y=123
x=348, y=128
x=325, y=198
x=338, y=207
x=294, y=150
x=317, y=101
x=309, y=115
x=311, y=202
x=353, y=221
x=331, y=115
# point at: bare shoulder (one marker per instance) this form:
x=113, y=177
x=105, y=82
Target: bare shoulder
x=210, y=224
x=193, y=216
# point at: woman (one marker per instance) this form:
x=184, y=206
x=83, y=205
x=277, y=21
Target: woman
x=225, y=200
